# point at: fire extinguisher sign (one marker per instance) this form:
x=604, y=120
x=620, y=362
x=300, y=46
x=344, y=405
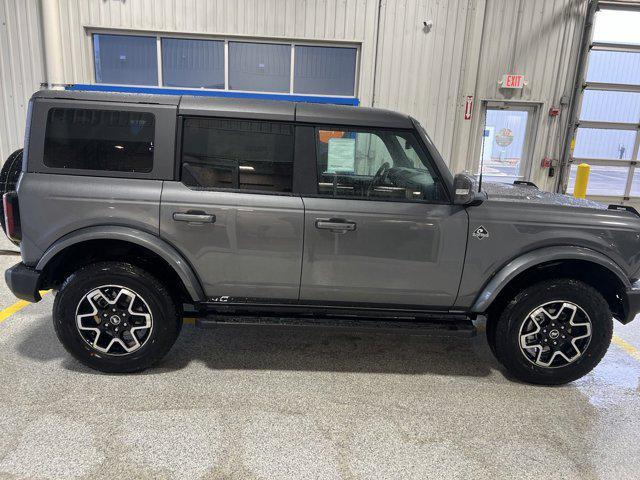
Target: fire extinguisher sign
x=468, y=107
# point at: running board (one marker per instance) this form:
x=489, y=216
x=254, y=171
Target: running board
x=458, y=327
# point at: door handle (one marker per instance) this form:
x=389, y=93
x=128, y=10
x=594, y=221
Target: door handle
x=193, y=216
x=338, y=225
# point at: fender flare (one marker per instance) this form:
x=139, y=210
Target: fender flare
x=144, y=239
x=537, y=257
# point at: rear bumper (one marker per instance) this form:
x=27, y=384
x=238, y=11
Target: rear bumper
x=633, y=302
x=24, y=282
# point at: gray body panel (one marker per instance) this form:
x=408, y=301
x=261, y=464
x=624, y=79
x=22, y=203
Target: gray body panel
x=517, y=228
x=253, y=249
x=400, y=253
x=54, y=205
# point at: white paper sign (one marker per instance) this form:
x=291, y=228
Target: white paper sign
x=341, y=156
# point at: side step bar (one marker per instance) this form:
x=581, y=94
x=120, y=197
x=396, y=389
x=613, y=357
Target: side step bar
x=455, y=327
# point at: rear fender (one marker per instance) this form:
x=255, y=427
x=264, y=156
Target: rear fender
x=138, y=237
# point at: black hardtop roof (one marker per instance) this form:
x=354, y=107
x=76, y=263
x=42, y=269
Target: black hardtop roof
x=248, y=108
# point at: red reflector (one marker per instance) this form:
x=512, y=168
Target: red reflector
x=12, y=216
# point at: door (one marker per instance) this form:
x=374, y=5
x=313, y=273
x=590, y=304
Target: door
x=506, y=139
x=381, y=229
x=232, y=214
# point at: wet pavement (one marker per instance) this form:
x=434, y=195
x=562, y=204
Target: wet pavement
x=276, y=403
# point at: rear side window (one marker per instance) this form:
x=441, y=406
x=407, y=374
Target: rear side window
x=237, y=154
x=110, y=140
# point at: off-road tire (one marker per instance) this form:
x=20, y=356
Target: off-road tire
x=165, y=315
x=507, y=331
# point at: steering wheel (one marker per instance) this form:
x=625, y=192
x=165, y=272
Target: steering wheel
x=378, y=177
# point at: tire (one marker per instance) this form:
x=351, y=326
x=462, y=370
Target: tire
x=125, y=299
x=579, y=323
x=9, y=175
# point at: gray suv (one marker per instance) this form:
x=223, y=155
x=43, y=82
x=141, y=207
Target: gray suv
x=140, y=209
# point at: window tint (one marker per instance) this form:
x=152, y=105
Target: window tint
x=239, y=154
x=260, y=67
x=109, y=140
x=125, y=59
x=381, y=164
x=192, y=63
x=324, y=70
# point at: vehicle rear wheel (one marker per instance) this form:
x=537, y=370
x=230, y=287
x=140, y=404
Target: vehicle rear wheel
x=9, y=175
x=553, y=332
x=115, y=317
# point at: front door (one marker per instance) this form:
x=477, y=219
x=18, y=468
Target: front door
x=232, y=214
x=381, y=229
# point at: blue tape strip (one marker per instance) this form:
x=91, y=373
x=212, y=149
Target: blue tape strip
x=213, y=93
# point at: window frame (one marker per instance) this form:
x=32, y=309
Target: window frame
x=180, y=147
x=313, y=192
x=291, y=42
x=164, y=138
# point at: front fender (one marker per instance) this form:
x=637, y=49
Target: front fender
x=138, y=237
x=538, y=257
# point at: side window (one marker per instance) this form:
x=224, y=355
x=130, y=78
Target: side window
x=109, y=140
x=238, y=154
x=375, y=164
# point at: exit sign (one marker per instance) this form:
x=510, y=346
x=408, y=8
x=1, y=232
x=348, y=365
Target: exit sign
x=513, y=81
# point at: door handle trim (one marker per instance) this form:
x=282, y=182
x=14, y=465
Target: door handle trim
x=194, y=217
x=335, y=224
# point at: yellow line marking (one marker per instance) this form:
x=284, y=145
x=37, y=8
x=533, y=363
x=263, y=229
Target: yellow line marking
x=16, y=307
x=626, y=346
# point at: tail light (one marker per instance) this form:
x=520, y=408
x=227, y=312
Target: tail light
x=12, y=216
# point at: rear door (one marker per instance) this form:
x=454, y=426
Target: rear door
x=380, y=228
x=232, y=213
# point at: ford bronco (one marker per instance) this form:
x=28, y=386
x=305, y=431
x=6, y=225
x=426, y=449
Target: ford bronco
x=140, y=209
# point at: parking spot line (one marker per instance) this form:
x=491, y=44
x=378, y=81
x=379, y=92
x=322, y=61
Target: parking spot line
x=626, y=346
x=16, y=307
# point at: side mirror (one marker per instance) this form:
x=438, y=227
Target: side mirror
x=465, y=190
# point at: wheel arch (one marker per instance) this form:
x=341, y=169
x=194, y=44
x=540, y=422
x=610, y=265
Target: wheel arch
x=589, y=266
x=99, y=243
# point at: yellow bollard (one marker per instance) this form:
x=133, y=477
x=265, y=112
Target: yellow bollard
x=582, y=179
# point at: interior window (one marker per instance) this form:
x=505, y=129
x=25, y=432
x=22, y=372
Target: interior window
x=110, y=140
x=237, y=154
x=375, y=164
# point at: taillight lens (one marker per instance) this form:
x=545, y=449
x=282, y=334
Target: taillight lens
x=12, y=216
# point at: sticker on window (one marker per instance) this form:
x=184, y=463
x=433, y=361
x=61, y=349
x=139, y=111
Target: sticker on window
x=341, y=156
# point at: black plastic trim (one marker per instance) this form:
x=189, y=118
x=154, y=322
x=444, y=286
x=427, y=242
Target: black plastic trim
x=24, y=282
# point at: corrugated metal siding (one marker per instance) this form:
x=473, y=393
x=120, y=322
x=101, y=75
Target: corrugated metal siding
x=418, y=70
x=544, y=47
x=21, y=68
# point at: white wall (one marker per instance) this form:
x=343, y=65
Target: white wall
x=426, y=73
x=21, y=68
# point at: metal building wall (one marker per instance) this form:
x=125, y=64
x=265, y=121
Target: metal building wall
x=426, y=72
x=541, y=40
x=21, y=68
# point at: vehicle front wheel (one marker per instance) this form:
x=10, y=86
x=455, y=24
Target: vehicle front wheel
x=115, y=317
x=553, y=332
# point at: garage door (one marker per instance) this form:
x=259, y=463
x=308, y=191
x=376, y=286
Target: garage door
x=609, y=112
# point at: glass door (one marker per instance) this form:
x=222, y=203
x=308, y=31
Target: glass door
x=506, y=136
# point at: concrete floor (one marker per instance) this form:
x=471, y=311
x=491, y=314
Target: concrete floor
x=241, y=402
